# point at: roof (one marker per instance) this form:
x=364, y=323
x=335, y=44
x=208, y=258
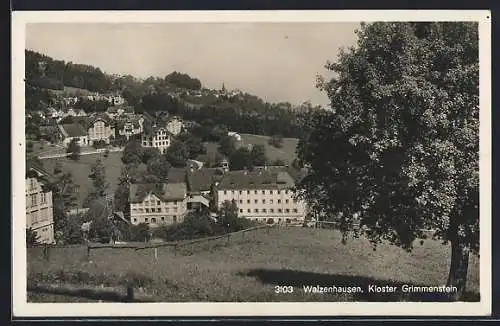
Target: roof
x=74, y=129
x=98, y=116
x=164, y=191
x=120, y=123
x=297, y=175
x=256, y=180
x=202, y=180
x=34, y=166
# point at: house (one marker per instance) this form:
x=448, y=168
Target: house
x=158, y=204
x=70, y=100
x=75, y=131
x=80, y=113
x=39, y=208
x=99, y=128
x=156, y=137
x=194, y=164
x=175, y=126
x=129, y=126
x=114, y=111
x=235, y=135
x=262, y=196
x=200, y=183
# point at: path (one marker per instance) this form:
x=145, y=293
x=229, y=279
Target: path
x=96, y=151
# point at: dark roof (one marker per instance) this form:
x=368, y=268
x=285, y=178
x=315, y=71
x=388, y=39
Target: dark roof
x=256, y=180
x=202, y=180
x=164, y=191
x=74, y=129
x=98, y=116
x=120, y=122
x=176, y=175
x=112, y=109
x=297, y=175
x=42, y=174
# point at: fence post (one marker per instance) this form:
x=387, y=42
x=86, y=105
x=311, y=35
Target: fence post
x=130, y=293
x=175, y=249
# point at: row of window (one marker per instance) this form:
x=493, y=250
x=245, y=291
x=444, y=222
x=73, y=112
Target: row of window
x=271, y=210
x=270, y=192
x=40, y=216
x=158, y=203
x=34, y=199
x=271, y=201
x=153, y=219
x=155, y=144
x=153, y=210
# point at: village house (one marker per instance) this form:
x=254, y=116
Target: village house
x=39, y=208
x=100, y=128
x=129, y=126
x=200, y=183
x=235, y=135
x=175, y=126
x=70, y=100
x=262, y=196
x=158, y=204
x=157, y=137
x=74, y=131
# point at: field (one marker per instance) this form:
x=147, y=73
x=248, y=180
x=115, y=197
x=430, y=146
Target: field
x=80, y=171
x=286, y=153
x=245, y=269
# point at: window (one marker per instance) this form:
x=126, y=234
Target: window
x=241, y=192
x=256, y=210
x=270, y=192
x=225, y=192
x=295, y=201
x=241, y=211
x=174, y=218
x=255, y=191
x=158, y=203
x=263, y=192
x=264, y=210
x=271, y=201
x=279, y=201
x=232, y=191
x=280, y=210
x=248, y=201
x=256, y=201
x=295, y=210
x=263, y=201
x=175, y=202
x=43, y=198
x=286, y=201
x=147, y=211
x=286, y=192
x=153, y=220
x=32, y=183
x=146, y=219
x=287, y=210
x=33, y=200
x=248, y=192
x=135, y=220
x=163, y=218
x=175, y=209
x=158, y=209
x=241, y=201
x=271, y=210
x=248, y=210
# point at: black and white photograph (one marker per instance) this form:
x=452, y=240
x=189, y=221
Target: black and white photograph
x=247, y=163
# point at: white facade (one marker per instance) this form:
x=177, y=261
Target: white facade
x=235, y=135
x=39, y=210
x=100, y=131
x=82, y=140
x=160, y=139
x=175, y=126
x=155, y=212
x=263, y=204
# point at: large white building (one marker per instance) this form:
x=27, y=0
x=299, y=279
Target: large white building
x=262, y=195
x=175, y=126
x=158, y=204
x=39, y=209
x=158, y=138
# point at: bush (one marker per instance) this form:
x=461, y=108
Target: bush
x=276, y=141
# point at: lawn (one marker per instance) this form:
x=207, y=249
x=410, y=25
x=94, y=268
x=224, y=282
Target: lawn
x=286, y=153
x=80, y=171
x=247, y=268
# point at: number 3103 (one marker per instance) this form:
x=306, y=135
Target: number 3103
x=281, y=289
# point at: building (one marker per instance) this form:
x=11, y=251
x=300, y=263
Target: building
x=262, y=195
x=75, y=131
x=157, y=137
x=99, y=128
x=200, y=183
x=158, y=204
x=235, y=135
x=175, y=126
x=39, y=209
x=129, y=126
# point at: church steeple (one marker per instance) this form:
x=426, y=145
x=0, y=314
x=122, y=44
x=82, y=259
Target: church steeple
x=223, y=87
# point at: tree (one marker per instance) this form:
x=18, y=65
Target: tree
x=227, y=145
x=177, y=154
x=73, y=149
x=150, y=154
x=276, y=141
x=279, y=162
x=228, y=216
x=258, y=155
x=194, y=145
x=159, y=168
x=404, y=125
x=240, y=160
x=63, y=197
x=100, y=185
x=132, y=153
x=32, y=238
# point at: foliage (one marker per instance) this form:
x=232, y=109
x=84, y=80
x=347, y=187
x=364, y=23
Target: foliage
x=119, y=141
x=73, y=149
x=279, y=162
x=32, y=238
x=132, y=153
x=149, y=154
x=258, y=155
x=193, y=144
x=177, y=154
x=276, y=141
x=240, y=160
x=227, y=145
x=182, y=81
x=405, y=128
x=101, y=143
x=159, y=168
x=98, y=176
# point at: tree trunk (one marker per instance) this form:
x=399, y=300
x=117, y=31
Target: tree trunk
x=458, y=269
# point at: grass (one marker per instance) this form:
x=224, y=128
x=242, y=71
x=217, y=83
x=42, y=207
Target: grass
x=247, y=268
x=285, y=153
x=80, y=171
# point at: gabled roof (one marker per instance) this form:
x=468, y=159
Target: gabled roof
x=297, y=175
x=256, y=180
x=34, y=168
x=98, y=116
x=202, y=180
x=74, y=129
x=176, y=175
x=164, y=191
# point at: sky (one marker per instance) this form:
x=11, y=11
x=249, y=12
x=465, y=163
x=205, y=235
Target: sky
x=275, y=61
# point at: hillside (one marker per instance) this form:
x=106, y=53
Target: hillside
x=248, y=267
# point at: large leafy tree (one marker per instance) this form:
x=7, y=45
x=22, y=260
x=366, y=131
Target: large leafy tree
x=404, y=129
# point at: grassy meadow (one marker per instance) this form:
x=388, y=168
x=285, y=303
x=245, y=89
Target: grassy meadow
x=245, y=269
